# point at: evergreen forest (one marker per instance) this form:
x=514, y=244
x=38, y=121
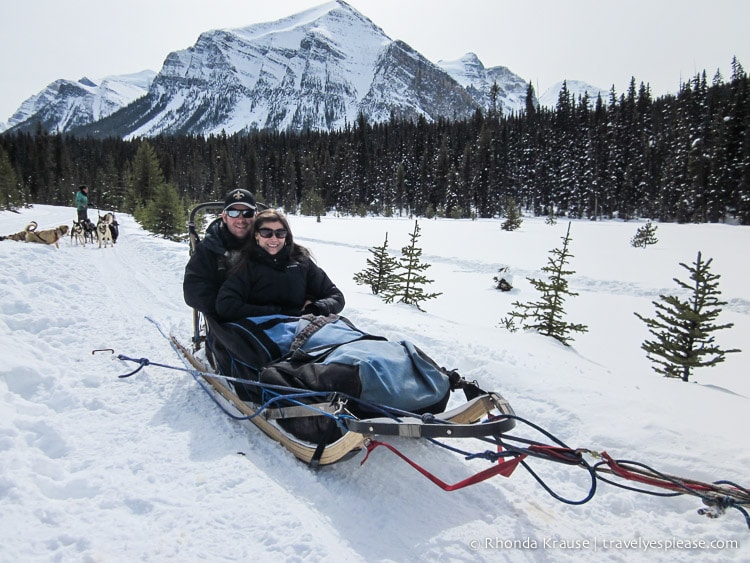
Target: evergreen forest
x=682, y=157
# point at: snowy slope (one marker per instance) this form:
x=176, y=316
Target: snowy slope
x=577, y=89
x=65, y=104
x=96, y=468
x=470, y=73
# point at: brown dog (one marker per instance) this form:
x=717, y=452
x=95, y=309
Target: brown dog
x=21, y=235
x=47, y=236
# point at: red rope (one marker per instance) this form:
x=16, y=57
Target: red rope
x=620, y=471
x=504, y=468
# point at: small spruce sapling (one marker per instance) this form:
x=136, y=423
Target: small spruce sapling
x=551, y=216
x=380, y=271
x=512, y=216
x=644, y=236
x=683, y=329
x=546, y=315
x=409, y=280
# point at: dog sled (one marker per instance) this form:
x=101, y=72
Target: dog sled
x=323, y=421
x=257, y=379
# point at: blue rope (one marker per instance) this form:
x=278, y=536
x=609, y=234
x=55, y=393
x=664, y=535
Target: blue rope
x=143, y=362
x=276, y=398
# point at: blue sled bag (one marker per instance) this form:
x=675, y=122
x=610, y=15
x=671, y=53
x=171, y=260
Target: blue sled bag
x=336, y=356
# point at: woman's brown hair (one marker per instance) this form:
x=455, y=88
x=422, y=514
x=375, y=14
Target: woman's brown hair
x=296, y=251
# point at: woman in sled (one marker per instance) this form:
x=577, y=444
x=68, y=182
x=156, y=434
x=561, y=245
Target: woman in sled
x=276, y=276
x=274, y=284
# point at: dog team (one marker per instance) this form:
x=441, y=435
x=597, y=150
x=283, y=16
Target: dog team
x=106, y=232
x=83, y=230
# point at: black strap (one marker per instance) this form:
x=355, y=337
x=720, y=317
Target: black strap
x=327, y=437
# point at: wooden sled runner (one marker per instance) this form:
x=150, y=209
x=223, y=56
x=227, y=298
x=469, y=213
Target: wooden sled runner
x=460, y=422
x=248, y=415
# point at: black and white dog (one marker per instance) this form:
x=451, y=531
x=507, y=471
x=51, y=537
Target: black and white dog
x=104, y=229
x=89, y=230
x=77, y=234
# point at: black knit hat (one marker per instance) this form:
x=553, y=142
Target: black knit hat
x=239, y=197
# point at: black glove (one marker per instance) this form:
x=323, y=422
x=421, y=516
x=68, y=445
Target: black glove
x=312, y=309
x=290, y=312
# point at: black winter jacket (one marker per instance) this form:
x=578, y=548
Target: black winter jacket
x=207, y=268
x=270, y=285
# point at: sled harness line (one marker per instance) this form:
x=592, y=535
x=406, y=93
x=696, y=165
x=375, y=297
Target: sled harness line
x=717, y=496
x=275, y=398
x=505, y=468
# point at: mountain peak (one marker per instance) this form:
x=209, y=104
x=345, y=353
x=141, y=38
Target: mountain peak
x=65, y=104
x=87, y=82
x=471, y=73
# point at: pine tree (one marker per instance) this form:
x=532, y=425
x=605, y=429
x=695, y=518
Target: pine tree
x=512, y=216
x=546, y=315
x=684, y=328
x=312, y=202
x=289, y=197
x=644, y=236
x=11, y=196
x=409, y=280
x=380, y=270
x=551, y=217
x=164, y=215
x=312, y=205
x=145, y=175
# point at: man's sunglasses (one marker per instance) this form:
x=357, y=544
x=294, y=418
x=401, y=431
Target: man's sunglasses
x=246, y=213
x=268, y=233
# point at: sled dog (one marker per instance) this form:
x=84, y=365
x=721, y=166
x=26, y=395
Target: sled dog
x=89, y=230
x=77, y=234
x=47, y=236
x=104, y=230
x=21, y=235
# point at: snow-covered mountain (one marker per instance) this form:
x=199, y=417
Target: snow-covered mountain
x=65, y=104
x=470, y=73
x=577, y=90
x=318, y=70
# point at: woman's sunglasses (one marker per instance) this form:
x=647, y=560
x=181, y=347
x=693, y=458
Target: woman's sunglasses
x=246, y=213
x=268, y=233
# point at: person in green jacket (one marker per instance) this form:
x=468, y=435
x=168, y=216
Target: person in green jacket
x=82, y=204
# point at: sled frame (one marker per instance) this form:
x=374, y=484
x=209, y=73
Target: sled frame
x=458, y=422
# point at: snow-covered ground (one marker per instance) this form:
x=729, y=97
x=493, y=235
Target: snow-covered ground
x=97, y=468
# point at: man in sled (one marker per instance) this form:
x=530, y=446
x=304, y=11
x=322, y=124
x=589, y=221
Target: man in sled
x=220, y=248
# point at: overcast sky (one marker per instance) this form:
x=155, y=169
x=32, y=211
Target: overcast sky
x=602, y=42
